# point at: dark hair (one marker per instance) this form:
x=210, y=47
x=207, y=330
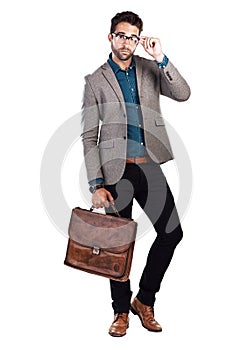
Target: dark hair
x=129, y=17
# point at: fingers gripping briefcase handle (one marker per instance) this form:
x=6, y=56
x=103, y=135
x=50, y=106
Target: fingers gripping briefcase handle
x=112, y=206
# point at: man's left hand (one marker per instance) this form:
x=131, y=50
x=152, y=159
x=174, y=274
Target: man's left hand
x=153, y=47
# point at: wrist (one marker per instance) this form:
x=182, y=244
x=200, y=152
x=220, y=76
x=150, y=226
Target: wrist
x=95, y=187
x=159, y=58
x=163, y=63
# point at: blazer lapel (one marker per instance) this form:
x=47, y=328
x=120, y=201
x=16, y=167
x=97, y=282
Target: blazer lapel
x=138, y=74
x=111, y=78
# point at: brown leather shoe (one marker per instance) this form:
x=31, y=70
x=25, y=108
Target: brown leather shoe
x=119, y=325
x=146, y=315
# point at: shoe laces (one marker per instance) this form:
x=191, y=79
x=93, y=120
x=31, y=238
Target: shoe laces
x=120, y=315
x=149, y=313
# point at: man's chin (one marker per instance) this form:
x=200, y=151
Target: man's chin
x=125, y=57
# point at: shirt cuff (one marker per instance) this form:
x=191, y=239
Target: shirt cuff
x=99, y=180
x=164, y=63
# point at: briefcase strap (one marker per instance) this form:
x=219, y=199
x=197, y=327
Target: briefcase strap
x=112, y=206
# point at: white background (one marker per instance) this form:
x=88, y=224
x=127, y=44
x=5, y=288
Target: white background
x=46, y=49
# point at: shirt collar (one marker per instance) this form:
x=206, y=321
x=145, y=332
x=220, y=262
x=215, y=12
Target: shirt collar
x=115, y=66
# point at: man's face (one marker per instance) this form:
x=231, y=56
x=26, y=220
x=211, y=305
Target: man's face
x=124, y=49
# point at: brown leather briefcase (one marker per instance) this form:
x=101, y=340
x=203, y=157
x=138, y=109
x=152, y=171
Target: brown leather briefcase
x=101, y=244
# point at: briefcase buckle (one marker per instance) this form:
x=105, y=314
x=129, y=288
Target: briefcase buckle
x=96, y=250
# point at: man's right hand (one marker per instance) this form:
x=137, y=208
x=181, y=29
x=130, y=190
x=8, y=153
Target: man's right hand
x=101, y=198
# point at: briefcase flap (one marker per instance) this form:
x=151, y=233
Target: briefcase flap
x=103, y=231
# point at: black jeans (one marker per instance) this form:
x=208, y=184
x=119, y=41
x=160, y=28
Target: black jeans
x=147, y=184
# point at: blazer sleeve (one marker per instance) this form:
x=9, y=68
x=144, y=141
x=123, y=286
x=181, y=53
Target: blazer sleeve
x=90, y=131
x=172, y=84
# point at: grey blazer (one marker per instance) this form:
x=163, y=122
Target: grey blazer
x=104, y=120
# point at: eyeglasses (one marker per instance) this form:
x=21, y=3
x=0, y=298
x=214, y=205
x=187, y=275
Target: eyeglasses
x=133, y=39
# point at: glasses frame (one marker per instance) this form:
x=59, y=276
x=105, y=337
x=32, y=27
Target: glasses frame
x=120, y=36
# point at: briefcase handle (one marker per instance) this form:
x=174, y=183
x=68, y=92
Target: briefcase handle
x=112, y=206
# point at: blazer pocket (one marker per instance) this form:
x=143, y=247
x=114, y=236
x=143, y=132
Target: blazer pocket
x=106, y=144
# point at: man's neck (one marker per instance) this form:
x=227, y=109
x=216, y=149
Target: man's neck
x=122, y=64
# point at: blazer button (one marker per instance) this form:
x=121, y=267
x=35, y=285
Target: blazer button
x=169, y=76
x=124, y=137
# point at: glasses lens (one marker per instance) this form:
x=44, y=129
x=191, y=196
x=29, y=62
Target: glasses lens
x=122, y=38
x=135, y=39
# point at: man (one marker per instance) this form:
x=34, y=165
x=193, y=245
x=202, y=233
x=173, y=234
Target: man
x=125, y=141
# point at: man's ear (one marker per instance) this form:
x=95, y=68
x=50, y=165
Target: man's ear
x=109, y=37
